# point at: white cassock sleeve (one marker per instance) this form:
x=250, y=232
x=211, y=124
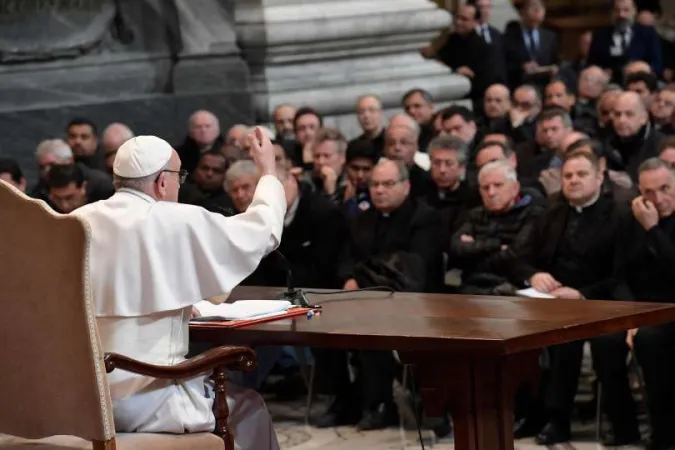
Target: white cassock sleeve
x=148, y=256
x=228, y=249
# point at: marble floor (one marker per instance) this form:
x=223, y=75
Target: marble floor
x=294, y=434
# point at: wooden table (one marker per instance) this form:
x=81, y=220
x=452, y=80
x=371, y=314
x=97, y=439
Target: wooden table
x=471, y=351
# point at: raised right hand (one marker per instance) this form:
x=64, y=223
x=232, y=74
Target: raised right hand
x=544, y=282
x=262, y=152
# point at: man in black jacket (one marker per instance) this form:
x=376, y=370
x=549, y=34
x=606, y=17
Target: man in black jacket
x=634, y=139
x=650, y=276
x=399, y=234
x=574, y=251
x=314, y=232
x=493, y=235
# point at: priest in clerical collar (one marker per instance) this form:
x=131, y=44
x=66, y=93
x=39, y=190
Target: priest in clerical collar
x=151, y=259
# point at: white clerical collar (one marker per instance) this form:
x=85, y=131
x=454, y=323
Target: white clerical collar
x=139, y=194
x=290, y=213
x=580, y=208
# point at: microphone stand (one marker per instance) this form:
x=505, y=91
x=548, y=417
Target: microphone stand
x=295, y=296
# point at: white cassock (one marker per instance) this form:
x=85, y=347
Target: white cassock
x=150, y=262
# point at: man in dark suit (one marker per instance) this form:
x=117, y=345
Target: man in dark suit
x=491, y=35
x=530, y=49
x=573, y=252
x=467, y=53
x=397, y=228
x=314, y=230
x=615, y=45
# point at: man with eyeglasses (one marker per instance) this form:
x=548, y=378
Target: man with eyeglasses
x=395, y=244
x=151, y=260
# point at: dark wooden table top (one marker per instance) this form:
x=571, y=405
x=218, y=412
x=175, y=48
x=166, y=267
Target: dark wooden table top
x=439, y=322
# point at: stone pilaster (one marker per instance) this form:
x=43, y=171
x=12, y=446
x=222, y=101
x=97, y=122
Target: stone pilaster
x=326, y=53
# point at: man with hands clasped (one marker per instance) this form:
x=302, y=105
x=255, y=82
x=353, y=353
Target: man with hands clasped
x=573, y=252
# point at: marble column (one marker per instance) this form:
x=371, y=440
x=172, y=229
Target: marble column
x=502, y=13
x=326, y=53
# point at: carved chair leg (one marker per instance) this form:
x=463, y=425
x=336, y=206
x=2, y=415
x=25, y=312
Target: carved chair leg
x=220, y=409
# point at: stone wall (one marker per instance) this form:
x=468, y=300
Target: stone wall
x=148, y=63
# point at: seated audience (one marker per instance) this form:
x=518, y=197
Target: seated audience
x=573, y=251
x=648, y=277
x=361, y=158
x=283, y=122
x=369, y=115
x=55, y=152
x=306, y=123
x=205, y=186
x=82, y=138
x=662, y=110
x=616, y=185
x=11, y=172
x=634, y=139
x=496, y=108
x=448, y=193
x=67, y=188
x=644, y=84
x=492, y=237
x=400, y=144
x=241, y=180
x=203, y=135
x=399, y=235
x=527, y=104
x=328, y=160
x=112, y=138
x=419, y=104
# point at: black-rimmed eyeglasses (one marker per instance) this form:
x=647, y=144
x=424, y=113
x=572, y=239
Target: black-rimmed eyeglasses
x=182, y=174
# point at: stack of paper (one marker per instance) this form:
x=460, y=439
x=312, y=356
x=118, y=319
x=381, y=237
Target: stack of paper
x=242, y=309
x=533, y=293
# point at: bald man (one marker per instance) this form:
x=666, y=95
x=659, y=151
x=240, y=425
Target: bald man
x=113, y=137
x=496, y=106
x=634, y=139
x=203, y=135
x=283, y=116
x=369, y=115
x=236, y=135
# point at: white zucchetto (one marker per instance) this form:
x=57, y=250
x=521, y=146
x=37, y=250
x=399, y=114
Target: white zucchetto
x=141, y=156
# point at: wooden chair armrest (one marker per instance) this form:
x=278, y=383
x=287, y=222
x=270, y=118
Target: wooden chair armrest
x=233, y=358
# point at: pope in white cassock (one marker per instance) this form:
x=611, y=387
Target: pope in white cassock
x=151, y=259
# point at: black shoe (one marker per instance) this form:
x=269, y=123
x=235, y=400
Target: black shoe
x=655, y=445
x=525, y=428
x=373, y=419
x=619, y=440
x=553, y=433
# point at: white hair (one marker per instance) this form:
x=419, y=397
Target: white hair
x=240, y=168
x=508, y=171
x=119, y=130
x=54, y=147
x=409, y=123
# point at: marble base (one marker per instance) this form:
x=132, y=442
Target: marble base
x=162, y=115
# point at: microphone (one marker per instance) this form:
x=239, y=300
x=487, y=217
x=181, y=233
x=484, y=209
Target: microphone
x=295, y=296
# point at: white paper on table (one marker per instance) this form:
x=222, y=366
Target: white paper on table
x=533, y=293
x=241, y=309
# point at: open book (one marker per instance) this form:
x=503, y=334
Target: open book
x=241, y=309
